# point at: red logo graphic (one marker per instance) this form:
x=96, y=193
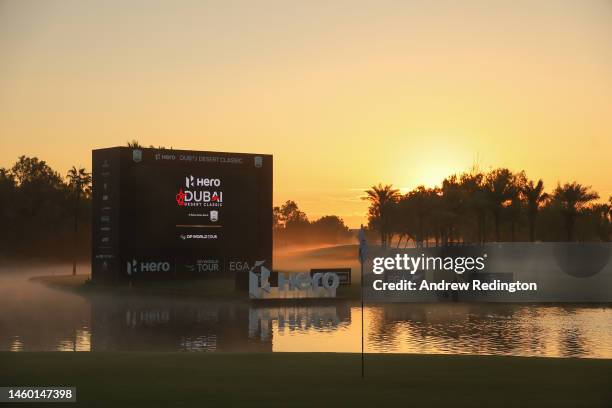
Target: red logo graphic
x=215, y=197
x=180, y=197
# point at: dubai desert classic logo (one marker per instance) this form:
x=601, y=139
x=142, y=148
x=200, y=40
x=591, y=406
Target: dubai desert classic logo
x=202, y=196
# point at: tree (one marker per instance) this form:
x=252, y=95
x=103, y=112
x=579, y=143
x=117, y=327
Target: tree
x=80, y=181
x=134, y=144
x=451, y=208
x=31, y=170
x=500, y=189
x=534, y=196
x=476, y=201
x=291, y=214
x=514, y=205
x=381, y=199
x=330, y=228
x=404, y=219
x=291, y=223
x=38, y=202
x=603, y=221
x=7, y=207
x=572, y=199
x=419, y=203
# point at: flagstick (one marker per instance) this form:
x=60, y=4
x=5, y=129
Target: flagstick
x=362, y=356
x=362, y=256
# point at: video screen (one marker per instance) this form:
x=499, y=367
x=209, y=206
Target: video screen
x=166, y=212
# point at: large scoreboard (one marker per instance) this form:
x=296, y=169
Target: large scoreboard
x=164, y=213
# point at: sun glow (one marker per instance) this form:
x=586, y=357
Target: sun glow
x=378, y=92
x=438, y=157
x=431, y=176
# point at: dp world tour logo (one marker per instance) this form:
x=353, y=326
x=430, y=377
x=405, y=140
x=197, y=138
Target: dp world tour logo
x=200, y=192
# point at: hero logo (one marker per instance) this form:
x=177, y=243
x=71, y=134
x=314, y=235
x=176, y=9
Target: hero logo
x=196, y=193
x=298, y=285
x=135, y=266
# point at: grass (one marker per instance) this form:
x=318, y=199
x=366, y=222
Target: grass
x=314, y=379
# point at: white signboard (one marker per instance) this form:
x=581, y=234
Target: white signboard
x=294, y=285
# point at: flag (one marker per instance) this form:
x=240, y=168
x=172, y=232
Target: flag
x=363, y=245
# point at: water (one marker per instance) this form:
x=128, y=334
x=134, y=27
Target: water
x=37, y=318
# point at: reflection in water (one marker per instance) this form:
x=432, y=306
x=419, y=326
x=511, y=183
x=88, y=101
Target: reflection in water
x=164, y=324
x=504, y=329
x=34, y=317
x=297, y=318
x=16, y=344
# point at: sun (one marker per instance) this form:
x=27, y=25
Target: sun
x=428, y=176
x=433, y=175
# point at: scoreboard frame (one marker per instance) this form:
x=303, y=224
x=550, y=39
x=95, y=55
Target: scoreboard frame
x=143, y=230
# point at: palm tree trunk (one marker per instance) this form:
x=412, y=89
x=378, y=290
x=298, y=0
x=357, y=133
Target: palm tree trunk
x=484, y=227
x=497, y=234
x=420, y=230
x=532, y=228
x=570, y=228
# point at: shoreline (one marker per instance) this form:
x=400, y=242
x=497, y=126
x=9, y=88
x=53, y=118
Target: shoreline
x=209, y=288
x=78, y=284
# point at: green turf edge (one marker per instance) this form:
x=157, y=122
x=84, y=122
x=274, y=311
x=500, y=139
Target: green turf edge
x=143, y=379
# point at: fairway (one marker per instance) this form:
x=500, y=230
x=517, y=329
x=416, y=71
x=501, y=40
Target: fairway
x=314, y=379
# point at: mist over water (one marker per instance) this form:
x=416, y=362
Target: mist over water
x=302, y=258
x=34, y=317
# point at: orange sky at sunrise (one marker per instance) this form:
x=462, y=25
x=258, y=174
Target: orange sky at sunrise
x=343, y=94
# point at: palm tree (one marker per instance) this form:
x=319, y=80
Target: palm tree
x=80, y=181
x=419, y=202
x=134, y=144
x=381, y=198
x=514, y=206
x=476, y=200
x=500, y=189
x=603, y=216
x=451, y=208
x=572, y=198
x=535, y=196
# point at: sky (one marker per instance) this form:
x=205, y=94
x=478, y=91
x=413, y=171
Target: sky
x=344, y=94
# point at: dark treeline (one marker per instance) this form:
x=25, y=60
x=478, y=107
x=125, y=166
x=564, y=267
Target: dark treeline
x=477, y=207
x=40, y=210
x=292, y=227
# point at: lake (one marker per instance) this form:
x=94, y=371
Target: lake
x=34, y=317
